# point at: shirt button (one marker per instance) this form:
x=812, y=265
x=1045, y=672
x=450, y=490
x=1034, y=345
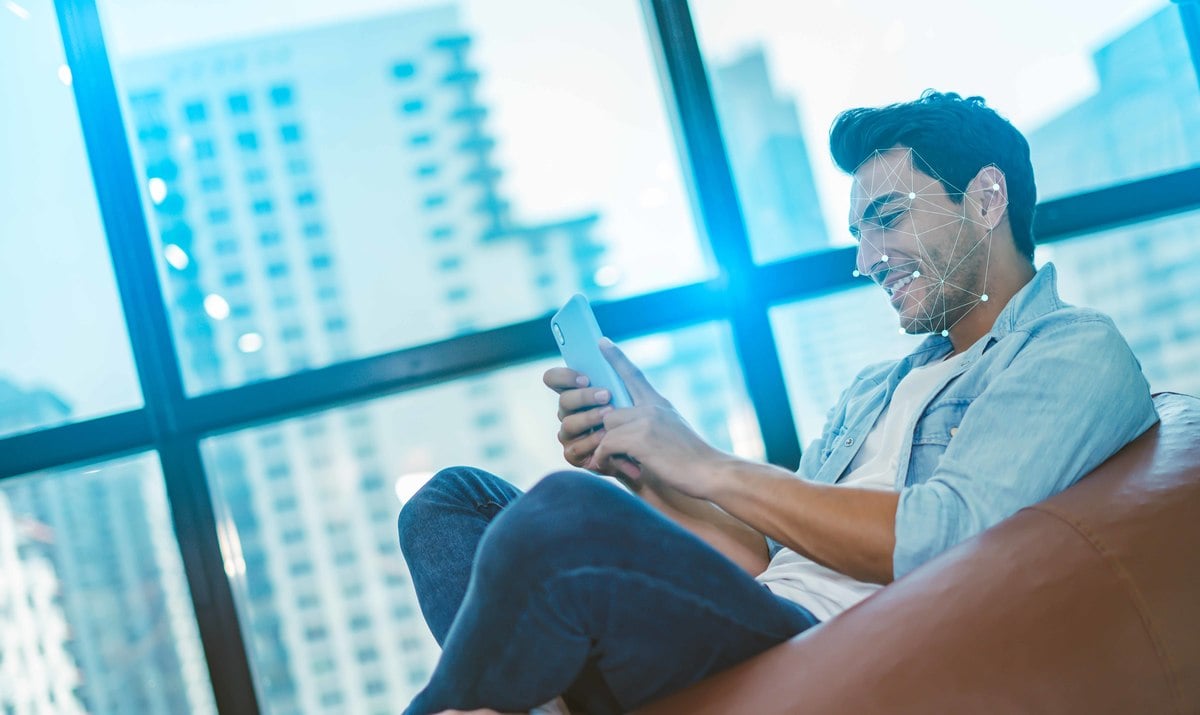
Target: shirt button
x=849, y=441
x=953, y=431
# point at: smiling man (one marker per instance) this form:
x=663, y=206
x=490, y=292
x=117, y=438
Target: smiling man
x=613, y=598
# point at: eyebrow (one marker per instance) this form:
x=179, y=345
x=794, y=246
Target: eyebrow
x=873, y=210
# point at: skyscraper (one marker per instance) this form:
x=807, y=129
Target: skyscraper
x=37, y=672
x=92, y=569
x=769, y=159
x=1143, y=119
x=268, y=162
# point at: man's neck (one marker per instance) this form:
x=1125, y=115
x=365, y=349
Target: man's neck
x=1004, y=282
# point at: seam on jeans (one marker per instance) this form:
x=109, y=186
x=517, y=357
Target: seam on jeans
x=1109, y=559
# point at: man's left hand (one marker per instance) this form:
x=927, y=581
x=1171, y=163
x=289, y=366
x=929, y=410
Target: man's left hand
x=655, y=436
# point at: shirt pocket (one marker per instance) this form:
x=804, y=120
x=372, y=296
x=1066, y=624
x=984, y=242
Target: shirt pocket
x=932, y=436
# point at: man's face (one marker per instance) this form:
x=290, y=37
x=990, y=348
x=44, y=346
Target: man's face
x=926, y=250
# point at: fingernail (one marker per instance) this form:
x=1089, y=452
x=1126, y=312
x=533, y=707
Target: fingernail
x=582, y=381
x=605, y=411
x=602, y=396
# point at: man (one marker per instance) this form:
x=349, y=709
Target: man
x=615, y=598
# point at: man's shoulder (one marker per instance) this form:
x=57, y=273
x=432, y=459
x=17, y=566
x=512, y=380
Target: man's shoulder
x=1074, y=329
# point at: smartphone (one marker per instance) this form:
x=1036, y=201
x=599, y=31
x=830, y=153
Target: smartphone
x=578, y=336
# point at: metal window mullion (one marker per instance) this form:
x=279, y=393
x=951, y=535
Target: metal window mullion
x=678, y=53
x=117, y=190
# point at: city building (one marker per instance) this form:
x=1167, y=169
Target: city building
x=1143, y=119
x=103, y=581
x=769, y=159
x=271, y=163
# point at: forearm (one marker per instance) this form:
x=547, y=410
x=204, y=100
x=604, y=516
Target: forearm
x=850, y=530
x=736, y=540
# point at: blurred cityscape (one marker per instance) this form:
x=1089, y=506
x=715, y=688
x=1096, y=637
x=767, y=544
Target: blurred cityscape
x=251, y=209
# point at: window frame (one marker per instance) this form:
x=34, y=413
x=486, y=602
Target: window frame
x=741, y=295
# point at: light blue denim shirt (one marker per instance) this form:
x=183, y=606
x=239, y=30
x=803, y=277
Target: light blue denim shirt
x=1042, y=399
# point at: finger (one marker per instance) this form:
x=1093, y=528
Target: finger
x=578, y=452
x=577, y=424
x=639, y=387
x=628, y=467
x=617, y=417
x=610, y=446
x=573, y=401
x=564, y=378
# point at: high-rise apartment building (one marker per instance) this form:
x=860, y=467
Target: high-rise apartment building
x=270, y=164
x=37, y=672
x=769, y=158
x=1143, y=119
x=103, y=581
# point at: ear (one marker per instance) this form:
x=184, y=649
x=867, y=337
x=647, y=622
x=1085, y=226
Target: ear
x=989, y=192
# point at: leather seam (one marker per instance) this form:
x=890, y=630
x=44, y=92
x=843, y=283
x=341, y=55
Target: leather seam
x=1139, y=604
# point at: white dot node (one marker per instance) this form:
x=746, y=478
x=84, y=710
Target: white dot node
x=995, y=187
x=945, y=333
x=984, y=297
x=912, y=195
x=916, y=274
x=884, y=259
x=855, y=273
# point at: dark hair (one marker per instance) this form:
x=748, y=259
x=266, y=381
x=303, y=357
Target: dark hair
x=952, y=139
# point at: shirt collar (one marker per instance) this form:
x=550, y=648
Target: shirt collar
x=1036, y=298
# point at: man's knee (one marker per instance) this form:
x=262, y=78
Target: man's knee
x=448, y=488
x=542, y=526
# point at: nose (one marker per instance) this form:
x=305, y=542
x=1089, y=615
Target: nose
x=867, y=259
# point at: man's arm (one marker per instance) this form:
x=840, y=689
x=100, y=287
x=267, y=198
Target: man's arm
x=850, y=530
x=581, y=411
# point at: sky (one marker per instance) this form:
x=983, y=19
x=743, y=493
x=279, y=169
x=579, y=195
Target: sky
x=577, y=108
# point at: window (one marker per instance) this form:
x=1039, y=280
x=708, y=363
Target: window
x=239, y=104
x=195, y=112
x=412, y=435
x=289, y=133
x=53, y=247
x=545, y=171
x=77, y=588
x=1143, y=276
x=1092, y=113
x=856, y=327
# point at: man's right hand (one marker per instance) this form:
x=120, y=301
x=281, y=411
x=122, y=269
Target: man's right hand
x=581, y=411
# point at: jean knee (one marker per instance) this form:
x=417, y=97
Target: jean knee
x=443, y=490
x=558, y=510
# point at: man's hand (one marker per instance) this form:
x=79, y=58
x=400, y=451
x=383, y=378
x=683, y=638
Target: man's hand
x=581, y=411
x=654, y=435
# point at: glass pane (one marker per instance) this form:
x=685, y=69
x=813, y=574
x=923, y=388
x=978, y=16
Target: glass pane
x=1144, y=276
x=370, y=175
x=1104, y=91
x=95, y=613
x=309, y=511
x=58, y=290
x=824, y=342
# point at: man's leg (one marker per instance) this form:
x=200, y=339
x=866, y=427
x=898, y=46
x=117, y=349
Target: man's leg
x=578, y=572
x=440, y=529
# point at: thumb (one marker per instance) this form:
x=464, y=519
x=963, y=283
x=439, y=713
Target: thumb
x=639, y=387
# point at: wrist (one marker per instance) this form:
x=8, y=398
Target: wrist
x=720, y=475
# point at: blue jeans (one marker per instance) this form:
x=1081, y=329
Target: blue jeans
x=577, y=588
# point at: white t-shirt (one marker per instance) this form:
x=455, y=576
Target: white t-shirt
x=823, y=591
